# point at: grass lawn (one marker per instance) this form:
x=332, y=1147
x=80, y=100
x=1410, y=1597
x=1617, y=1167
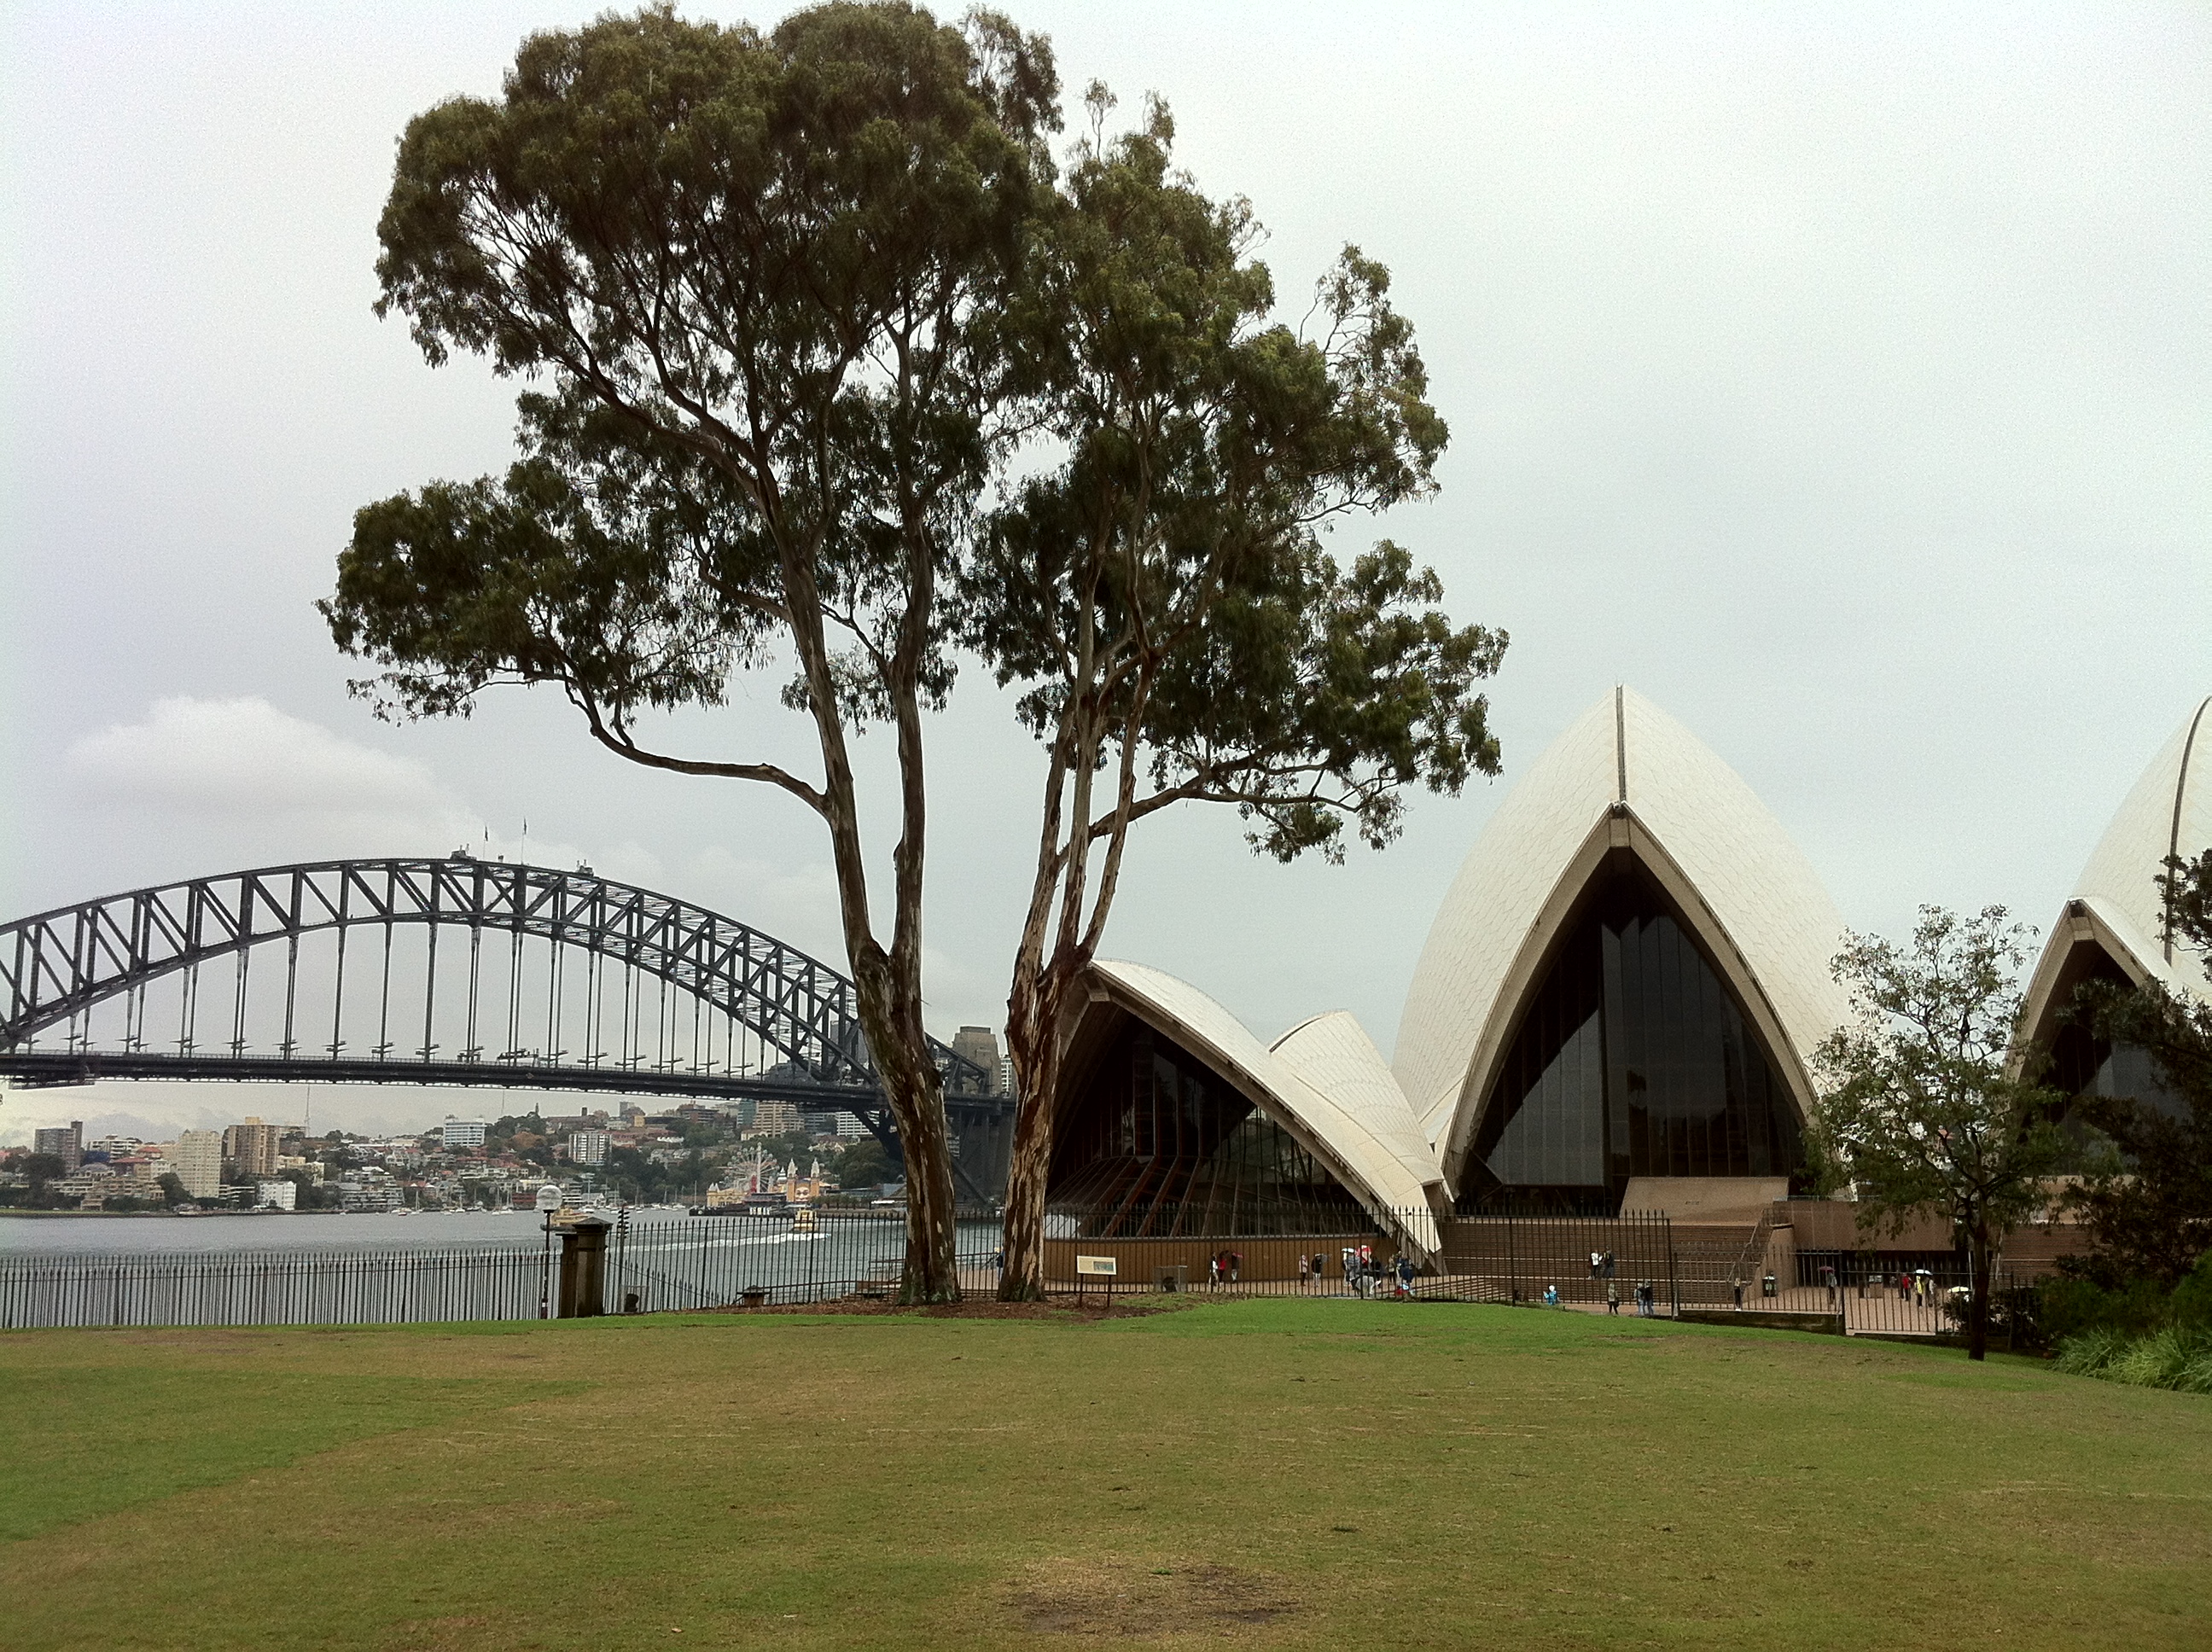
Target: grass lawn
x=1276, y=1473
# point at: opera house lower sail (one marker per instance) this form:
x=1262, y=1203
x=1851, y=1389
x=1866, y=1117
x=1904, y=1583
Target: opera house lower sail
x=1614, y=1009
x=1157, y=1144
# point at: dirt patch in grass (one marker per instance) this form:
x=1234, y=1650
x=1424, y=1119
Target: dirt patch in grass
x=1124, y=1601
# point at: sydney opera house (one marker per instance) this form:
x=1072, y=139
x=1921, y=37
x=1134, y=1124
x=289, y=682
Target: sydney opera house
x=1615, y=1011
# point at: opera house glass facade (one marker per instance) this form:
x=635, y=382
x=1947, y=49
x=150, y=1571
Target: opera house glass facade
x=1159, y=1146
x=1633, y=1058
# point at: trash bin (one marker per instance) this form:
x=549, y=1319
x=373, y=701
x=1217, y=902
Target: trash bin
x=1176, y=1277
x=1766, y=1286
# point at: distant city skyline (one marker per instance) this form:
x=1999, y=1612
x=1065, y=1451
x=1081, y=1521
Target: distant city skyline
x=1838, y=381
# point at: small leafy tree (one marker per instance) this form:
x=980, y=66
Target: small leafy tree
x=1162, y=595
x=862, y=1163
x=1922, y=1099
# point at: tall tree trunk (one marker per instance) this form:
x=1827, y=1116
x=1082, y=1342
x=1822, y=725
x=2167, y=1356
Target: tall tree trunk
x=915, y=1090
x=1033, y=1044
x=1977, y=1311
x=888, y=982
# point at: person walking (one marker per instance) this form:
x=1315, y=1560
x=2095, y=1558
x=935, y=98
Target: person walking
x=1597, y=1263
x=1644, y=1299
x=1213, y=1273
x=1608, y=1265
x=1736, y=1284
x=1236, y=1266
x=1612, y=1297
x=1306, y=1270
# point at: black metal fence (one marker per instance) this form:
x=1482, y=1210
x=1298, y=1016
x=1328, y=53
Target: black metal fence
x=651, y=1265
x=1628, y=1265
x=1623, y=1264
x=263, y=1287
x=717, y=1260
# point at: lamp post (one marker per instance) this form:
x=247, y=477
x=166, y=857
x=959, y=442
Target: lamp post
x=549, y=1200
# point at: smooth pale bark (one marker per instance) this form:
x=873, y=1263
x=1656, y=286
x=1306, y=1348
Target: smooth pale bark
x=888, y=982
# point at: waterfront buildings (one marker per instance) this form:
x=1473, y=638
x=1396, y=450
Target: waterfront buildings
x=774, y=1117
x=463, y=1135
x=588, y=1146
x=252, y=1147
x=197, y=1161
x=64, y=1143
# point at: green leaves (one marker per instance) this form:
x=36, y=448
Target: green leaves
x=1925, y=1099
x=761, y=273
x=1166, y=580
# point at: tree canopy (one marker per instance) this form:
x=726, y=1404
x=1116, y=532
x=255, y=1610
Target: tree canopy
x=761, y=277
x=1931, y=1100
x=834, y=373
x=1162, y=596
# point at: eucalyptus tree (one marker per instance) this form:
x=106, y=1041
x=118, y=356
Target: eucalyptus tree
x=1162, y=592
x=1931, y=1100
x=758, y=283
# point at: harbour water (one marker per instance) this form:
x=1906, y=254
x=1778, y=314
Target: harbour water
x=155, y=1235
x=325, y=1270
x=162, y=1234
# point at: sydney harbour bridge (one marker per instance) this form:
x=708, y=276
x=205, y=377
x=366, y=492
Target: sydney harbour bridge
x=456, y=972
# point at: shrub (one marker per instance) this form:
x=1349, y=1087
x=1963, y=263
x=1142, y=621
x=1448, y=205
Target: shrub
x=2192, y=1303
x=2196, y=1375
x=2087, y=1353
x=2176, y=1356
x=2070, y=1307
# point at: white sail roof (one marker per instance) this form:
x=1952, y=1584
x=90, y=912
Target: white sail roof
x=1624, y=772
x=2116, y=903
x=2169, y=811
x=1335, y=1055
x=1354, y=1134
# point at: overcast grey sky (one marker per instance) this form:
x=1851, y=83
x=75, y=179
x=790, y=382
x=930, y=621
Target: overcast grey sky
x=1837, y=376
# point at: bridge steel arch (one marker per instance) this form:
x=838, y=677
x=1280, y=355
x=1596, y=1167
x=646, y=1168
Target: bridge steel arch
x=55, y=967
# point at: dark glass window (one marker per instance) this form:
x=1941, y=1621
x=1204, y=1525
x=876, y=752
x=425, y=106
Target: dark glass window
x=1632, y=1058
x=1160, y=1145
x=2082, y=1064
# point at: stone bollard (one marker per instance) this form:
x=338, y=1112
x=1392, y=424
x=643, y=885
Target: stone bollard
x=584, y=1268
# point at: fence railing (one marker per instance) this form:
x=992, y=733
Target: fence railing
x=262, y=1287
x=1626, y=1263
x=651, y=1265
x=1637, y=1263
x=716, y=1261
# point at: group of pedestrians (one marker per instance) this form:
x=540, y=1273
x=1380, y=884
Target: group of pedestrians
x=1360, y=1270
x=1227, y=1268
